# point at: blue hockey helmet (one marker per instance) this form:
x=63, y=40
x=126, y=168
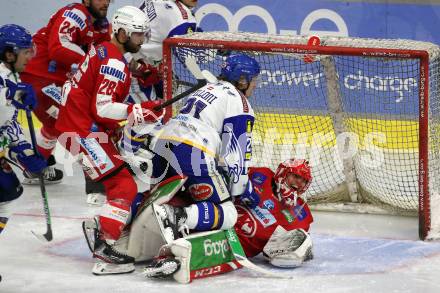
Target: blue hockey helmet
x=239, y=65
x=15, y=37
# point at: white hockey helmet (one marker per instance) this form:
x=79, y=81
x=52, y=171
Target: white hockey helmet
x=131, y=19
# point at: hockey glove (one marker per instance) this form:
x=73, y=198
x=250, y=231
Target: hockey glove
x=24, y=154
x=147, y=74
x=21, y=95
x=250, y=198
x=143, y=113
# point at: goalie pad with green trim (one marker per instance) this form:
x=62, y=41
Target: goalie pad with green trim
x=201, y=255
x=146, y=237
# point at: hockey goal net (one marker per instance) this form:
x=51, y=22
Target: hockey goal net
x=364, y=112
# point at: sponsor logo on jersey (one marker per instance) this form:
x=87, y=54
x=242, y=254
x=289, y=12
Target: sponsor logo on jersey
x=201, y=191
x=264, y=216
x=150, y=10
x=246, y=222
x=53, y=92
x=288, y=216
x=102, y=52
x=300, y=212
x=75, y=17
x=220, y=247
x=96, y=154
x=92, y=51
x=269, y=204
x=107, y=70
x=258, y=178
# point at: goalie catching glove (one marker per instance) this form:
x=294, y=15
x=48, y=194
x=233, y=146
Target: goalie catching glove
x=288, y=249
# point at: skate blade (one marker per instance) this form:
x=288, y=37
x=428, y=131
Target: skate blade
x=104, y=268
x=36, y=181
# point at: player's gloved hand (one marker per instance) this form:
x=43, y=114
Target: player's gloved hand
x=24, y=154
x=147, y=74
x=144, y=113
x=21, y=95
x=250, y=198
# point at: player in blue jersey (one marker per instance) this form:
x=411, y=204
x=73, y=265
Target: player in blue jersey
x=16, y=49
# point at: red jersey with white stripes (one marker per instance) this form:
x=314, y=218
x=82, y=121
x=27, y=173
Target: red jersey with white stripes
x=63, y=42
x=255, y=226
x=95, y=94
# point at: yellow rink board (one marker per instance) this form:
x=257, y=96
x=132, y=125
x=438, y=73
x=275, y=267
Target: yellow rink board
x=23, y=121
x=290, y=128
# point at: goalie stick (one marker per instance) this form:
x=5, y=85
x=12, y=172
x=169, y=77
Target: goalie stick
x=48, y=235
x=240, y=256
x=203, y=77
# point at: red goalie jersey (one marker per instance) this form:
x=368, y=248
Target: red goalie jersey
x=255, y=226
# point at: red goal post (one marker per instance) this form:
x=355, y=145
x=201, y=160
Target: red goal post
x=356, y=91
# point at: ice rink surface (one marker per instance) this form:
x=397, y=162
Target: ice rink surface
x=353, y=253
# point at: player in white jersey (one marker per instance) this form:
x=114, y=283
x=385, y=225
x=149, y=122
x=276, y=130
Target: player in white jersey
x=16, y=49
x=210, y=141
x=167, y=18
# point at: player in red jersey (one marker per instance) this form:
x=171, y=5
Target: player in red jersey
x=93, y=100
x=273, y=219
x=60, y=46
x=278, y=213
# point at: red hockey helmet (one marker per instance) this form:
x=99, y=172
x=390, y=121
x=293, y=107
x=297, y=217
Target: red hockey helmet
x=292, y=178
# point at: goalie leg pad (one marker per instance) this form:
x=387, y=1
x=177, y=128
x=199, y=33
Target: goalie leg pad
x=288, y=249
x=146, y=237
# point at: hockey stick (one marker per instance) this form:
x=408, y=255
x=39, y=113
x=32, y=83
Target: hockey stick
x=48, y=235
x=240, y=256
x=203, y=77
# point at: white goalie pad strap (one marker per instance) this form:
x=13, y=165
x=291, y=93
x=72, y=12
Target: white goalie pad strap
x=288, y=249
x=146, y=237
x=181, y=249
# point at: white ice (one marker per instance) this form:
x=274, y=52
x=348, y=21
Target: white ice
x=353, y=253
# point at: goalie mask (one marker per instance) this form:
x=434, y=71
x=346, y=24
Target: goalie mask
x=292, y=179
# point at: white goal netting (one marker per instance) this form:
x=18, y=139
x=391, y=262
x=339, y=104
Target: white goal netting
x=354, y=113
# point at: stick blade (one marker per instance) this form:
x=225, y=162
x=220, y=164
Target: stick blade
x=193, y=67
x=209, y=76
x=44, y=237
